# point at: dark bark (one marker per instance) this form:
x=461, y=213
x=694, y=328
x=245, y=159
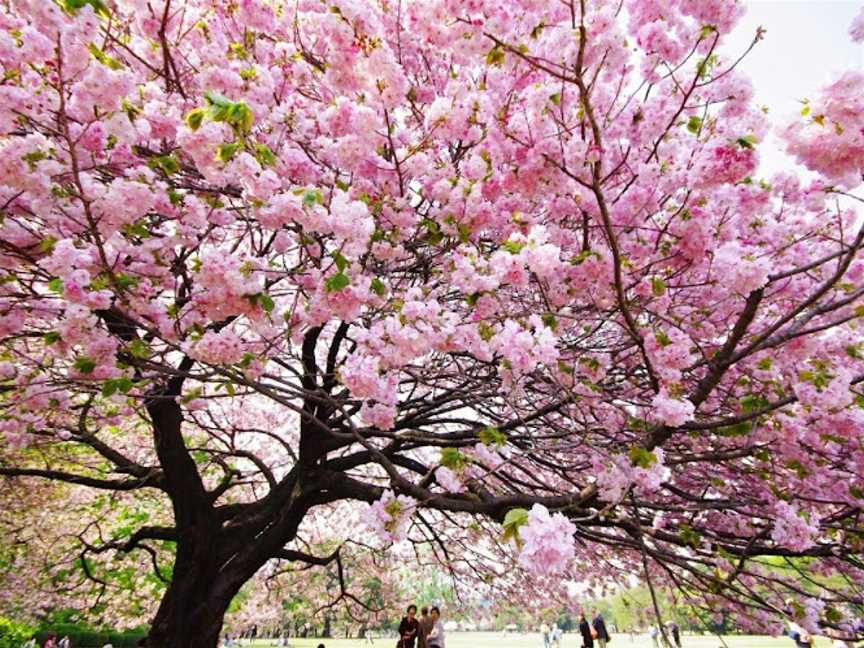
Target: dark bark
x=191, y=612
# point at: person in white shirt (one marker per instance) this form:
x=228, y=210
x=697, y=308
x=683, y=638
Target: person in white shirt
x=435, y=638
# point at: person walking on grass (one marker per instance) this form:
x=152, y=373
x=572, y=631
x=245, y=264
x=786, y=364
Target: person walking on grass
x=435, y=638
x=409, y=628
x=425, y=627
x=585, y=630
x=673, y=629
x=800, y=636
x=555, y=635
x=599, y=626
x=544, y=632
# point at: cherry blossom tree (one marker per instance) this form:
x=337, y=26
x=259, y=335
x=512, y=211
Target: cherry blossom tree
x=499, y=277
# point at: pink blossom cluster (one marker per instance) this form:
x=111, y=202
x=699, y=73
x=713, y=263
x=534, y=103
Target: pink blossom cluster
x=829, y=138
x=389, y=516
x=616, y=476
x=791, y=529
x=547, y=542
x=222, y=347
x=670, y=410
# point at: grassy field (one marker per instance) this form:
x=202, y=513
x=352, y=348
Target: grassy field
x=529, y=640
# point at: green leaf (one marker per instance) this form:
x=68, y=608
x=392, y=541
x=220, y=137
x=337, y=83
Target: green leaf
x=736, y=430
x=125, y=281
x=550, y=321
x=47, y=244
x=583, y=256
x=99, y=6
x=555, y=98
x=341, y=262
x=464, y=232
x=139, y=229
x=658, y=286
x=114, y=385
x=513, y=247
x=662, y=339
x=495, y=56
x=434, y=236
x=336, y=282
x=56, y=285
x=267, y=303
x=748, y=141
x=753, y=403
x=240, y=116
x=487, y=331
x=706, y=31
x=194, y=118
x=191, y=395
x=833, y=615
x=641, y=457
x=764, y=364
x=226, y=152
x=175, y=197
x=218, y=102
x=492, y=436
x=694, y=124
x=51, y=337
x=312, y=197
x=139, y=349
x=689, y=536
x=166, y=163
x=453, y=459
x=378, y=287
x=513, y=521
x=264, y=155
x=84, y=364
x=103, y=58
x=799, y=468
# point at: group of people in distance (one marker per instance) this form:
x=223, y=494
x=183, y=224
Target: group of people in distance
x=672, y=630
x=427, y=631
x=593, y=631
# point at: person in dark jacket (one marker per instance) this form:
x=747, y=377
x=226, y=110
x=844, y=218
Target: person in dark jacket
x=424, y=628
x=599, y=626
x=585, y=631
x=675, y=631
x=409, y=628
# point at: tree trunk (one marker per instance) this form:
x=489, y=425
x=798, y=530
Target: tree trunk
x=193, y=608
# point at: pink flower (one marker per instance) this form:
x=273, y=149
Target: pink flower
x=671, y=411
x=378, y=415
x=224, y=347
x=547, y=541
x=791, y=530
x=389, y=516
x=448, y=479
x=740, y=271
x=856, y=29
x=490, y=459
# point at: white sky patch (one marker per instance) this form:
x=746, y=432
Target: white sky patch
x=806, y=45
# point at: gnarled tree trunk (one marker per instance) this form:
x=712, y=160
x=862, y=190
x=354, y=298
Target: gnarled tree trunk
x=193, y=608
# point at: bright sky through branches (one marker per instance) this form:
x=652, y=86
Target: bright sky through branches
x=806, y=44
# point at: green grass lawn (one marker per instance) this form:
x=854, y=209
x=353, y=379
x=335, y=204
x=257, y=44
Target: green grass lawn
x=570, y=640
